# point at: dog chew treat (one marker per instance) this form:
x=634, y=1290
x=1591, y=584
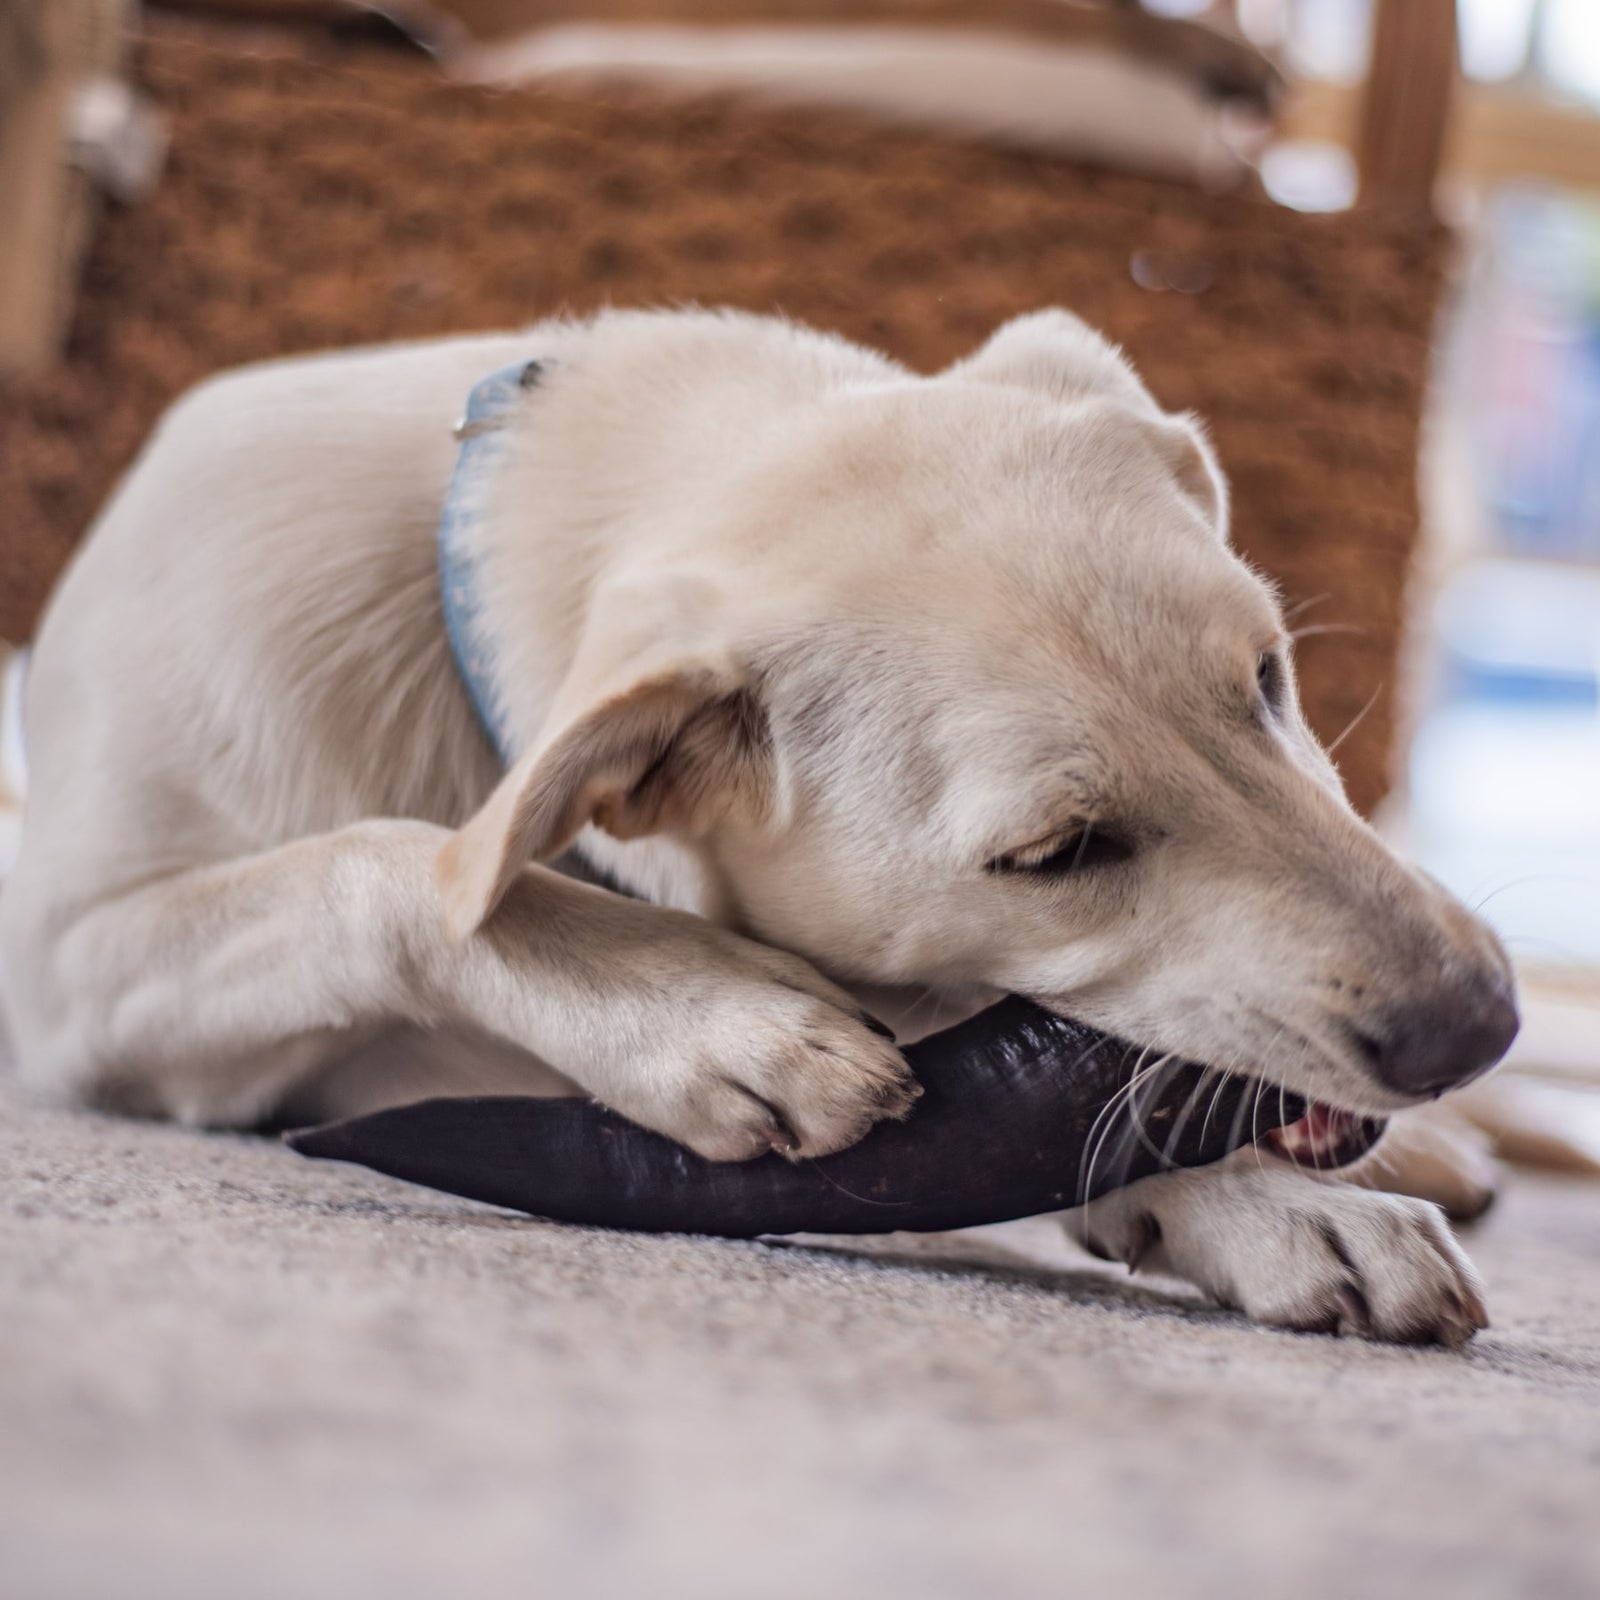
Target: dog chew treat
x=1022, y=1112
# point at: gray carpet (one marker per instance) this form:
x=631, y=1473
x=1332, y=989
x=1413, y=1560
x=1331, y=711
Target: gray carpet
x=226, y=1372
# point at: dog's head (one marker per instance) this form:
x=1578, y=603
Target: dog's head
x=961, y=687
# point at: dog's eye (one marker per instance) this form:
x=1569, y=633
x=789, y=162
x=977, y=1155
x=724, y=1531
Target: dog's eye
x=1270, y=679
x=1083, y=851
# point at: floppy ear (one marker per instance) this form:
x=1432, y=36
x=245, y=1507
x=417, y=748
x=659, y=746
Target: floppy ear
x=1059, y=355
x=672, y=751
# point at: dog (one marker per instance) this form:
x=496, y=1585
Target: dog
x=850, y=678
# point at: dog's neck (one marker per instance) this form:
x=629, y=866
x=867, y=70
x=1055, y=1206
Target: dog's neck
x=655, y=870
x=594, y=508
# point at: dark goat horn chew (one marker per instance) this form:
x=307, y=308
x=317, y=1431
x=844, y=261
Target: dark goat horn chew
x=1022, y=1112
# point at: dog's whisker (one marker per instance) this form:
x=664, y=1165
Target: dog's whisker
x=1109, y=1113
x=1190, y=1105
x=1574, y=879
x=1325, y=627
x=1134, y=1126
x=1302, y=606
x=929, y=998
x=1261, y=1080
x=1255, y=1120
x=1097, y=1133
x=1356, y=721
x=1225, y=1076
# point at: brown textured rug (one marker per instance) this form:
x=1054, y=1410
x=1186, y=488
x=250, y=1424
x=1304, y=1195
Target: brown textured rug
x=320, y=197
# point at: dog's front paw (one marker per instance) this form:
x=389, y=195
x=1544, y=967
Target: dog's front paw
x=758, y=1052
x=1377, y=1266
x=1297, y=1253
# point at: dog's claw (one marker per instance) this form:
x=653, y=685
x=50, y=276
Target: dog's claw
x=1143, y=1237
x=873, y=1025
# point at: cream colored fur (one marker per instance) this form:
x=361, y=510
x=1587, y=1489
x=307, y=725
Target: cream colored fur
x=794, y=645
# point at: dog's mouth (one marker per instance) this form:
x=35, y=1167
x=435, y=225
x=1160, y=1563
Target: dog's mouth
x=1325, y=1137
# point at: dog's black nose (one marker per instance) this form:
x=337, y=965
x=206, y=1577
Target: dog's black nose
x=1427, y=1049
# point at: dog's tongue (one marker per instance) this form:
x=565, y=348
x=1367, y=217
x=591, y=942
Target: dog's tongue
x=1325, y=1137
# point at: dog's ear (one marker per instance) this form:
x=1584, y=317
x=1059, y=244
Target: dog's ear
x=675, y=750
x=1182, y=444
x=1057, y=354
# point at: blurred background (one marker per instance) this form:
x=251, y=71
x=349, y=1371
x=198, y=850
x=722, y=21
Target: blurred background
x=1500, y=791
x=1362, y=238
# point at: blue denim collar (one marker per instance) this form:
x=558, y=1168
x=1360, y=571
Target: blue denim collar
x=483, y=437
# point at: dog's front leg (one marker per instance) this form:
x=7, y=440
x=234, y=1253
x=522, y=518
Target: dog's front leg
x=1289, y=1249
x=207, y=993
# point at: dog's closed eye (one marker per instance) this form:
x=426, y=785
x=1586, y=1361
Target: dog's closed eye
x=1084, y=849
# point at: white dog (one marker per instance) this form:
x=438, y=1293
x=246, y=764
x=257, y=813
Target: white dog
x=949, y=683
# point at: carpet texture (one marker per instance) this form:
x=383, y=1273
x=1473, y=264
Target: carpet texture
x=331, y=197
x=225, y=1371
